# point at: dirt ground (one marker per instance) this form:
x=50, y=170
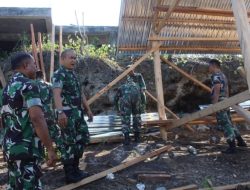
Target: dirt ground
x=208, y=167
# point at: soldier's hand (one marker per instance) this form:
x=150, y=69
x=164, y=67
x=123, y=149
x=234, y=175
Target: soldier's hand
x=90, y=116
x=51, y=157
x=62, y=120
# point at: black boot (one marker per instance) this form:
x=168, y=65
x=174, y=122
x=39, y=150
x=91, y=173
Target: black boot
x=70, y=174
x=126, y=139
x=80, y=173
x=231, y=149
x=137, y=137
x=241, y=142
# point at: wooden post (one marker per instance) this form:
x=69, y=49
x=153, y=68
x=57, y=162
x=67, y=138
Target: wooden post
x=159, y=89
x=40, y=45
x=243, y=28
x=115, y=169
x=60, y=44
x=121, y=76
x=33, y=41
x=52, y=55
x=2, y=78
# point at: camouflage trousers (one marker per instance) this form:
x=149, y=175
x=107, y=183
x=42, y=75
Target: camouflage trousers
x=224, y=120
x=74, y=136
x=143, y=102
x=126, y=112
x=24, y=175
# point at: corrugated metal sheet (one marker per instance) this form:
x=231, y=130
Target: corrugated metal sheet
x=136, y=18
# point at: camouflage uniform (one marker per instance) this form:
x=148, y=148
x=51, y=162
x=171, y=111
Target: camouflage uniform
x=75, y=135
x=223, y=117
x=139, y=80
x=22, y=148
x=1, y=130
x=128, y=101
x=46, y=96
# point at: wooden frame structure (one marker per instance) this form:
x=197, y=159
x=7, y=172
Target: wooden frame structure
x=164, y=13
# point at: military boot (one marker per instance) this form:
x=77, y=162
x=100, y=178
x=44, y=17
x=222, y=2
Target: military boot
x=241, y=142
x=126, y=139
x=231, y=149
x=70, y=174
x=82, y=174
x=137, y=137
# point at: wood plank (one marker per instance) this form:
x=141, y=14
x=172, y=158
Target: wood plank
x=185, y=74
x=159, y=88
x=33, y=43
x=52, y=52
x=243, y=29
x=153, y=177
x=200, y=11
x=187, y=187
x=121, y=76
x=115, y=169
x=192, y=39
x=241, y=97
x=40, y=46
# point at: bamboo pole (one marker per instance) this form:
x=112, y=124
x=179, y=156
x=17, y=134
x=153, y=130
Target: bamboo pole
x=60, y=43
x=33, y=42
x=52, y=59
x=40, y=45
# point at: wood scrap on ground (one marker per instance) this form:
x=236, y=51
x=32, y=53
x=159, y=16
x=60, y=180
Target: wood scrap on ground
x=115, y=169
x=188, y=187
x=153, y=177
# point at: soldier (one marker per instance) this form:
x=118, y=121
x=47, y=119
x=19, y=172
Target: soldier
x=139, y=80
x=46, y=96
x=24, y=126
x=220, y=92
x=69, y=103
x=127, y=102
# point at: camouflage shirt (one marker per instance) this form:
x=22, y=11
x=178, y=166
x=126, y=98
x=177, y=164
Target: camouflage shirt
x=128, y=92
x=71, y=91
x=20, y=141
x=138, y=79
x=46, y=95
x=220, y=78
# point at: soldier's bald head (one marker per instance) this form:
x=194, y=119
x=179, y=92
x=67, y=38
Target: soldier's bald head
x=66, y=52
x=18, y=59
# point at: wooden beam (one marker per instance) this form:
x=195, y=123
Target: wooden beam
x=169, y=111
x=121, y=76
x=185, y=49
x=115, y=169
x=168, y=14
x=188, y=187
x=159, y=89
x=243, y=29
x=60, y=43
x=52, y=53
x=199, y=11
x=33, y=43
x=2, y=78
x=40, y=46
x=185, y=74
x=192, y=39
x=241, y=97
x=229, y=187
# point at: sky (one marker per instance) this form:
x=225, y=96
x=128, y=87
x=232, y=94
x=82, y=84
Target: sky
x=96, y=12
